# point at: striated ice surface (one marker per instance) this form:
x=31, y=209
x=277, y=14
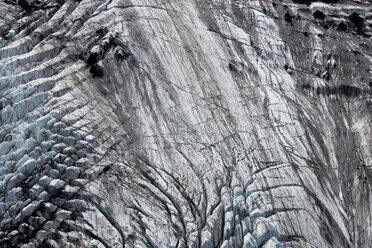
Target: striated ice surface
x=195, y=123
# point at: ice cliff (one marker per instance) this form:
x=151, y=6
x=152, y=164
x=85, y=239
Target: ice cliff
x=185, y=123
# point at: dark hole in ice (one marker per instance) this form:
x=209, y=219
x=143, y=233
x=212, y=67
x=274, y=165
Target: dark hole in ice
x=28, y=31
x=45, y=245
x=96, y=70
x=308, y=2
x=326, y=76
x=306, y=34
x=325, y=26
x=64, y=226
x=81, y=57
x=27, y=184
x=55, y=236
x=370, y=84
x=100, y=32
x=121, y=54
x=357, y=20
x=6, y=36
x=232, y=67
x=25, y=5
x=288, y=17
x=341, y=26
x=319, y=15
x=92, y=59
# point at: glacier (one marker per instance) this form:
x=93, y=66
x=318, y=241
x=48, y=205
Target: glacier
x=195, y=123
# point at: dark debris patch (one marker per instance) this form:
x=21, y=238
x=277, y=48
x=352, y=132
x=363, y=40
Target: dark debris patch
x=346, y=90
x=343, y=89
x=308, y=2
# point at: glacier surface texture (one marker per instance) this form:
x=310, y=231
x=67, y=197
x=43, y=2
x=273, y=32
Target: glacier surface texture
x=185, y=123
